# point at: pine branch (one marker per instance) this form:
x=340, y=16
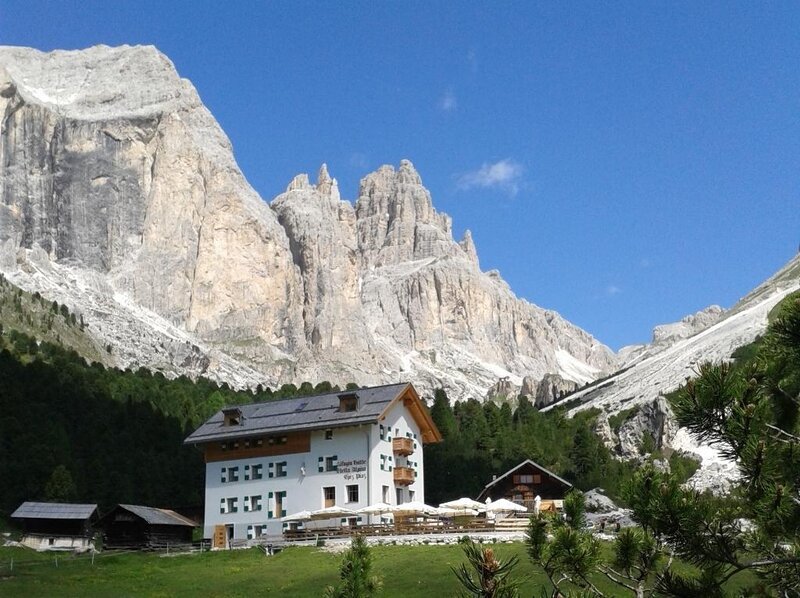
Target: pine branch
x=791, y=437
x=607, y=571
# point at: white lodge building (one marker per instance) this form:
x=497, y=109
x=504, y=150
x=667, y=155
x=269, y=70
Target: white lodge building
x=349, y=449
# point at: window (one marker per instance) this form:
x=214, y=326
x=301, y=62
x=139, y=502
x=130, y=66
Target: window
x=524, y=479
x=329, y=496
x=231, y=417
x=352, y=493
x=257, y=471
x=411, y=494
x=331, y=463
x=328, y=434
x=277, y=504
x=252, y=503
x=537, y=479
x=385, y=494
x=348, y=402
x=399, y=493
x=386, y=463
x=383, y=432
x=277, y=440
x=228, y=505
x=280, y=469
x=233, y=474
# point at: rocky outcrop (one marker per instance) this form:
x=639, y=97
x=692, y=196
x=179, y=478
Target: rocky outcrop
x=551, y=388
x=653, y=419
x=667, y=334
x=502, y=391
x=112, y=170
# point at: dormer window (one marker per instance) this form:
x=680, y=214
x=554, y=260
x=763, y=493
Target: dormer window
x=348, y=402
x=231, y=417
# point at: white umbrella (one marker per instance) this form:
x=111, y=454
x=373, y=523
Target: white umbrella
x=447, y=512
x=464, y=504
x=504, y=505
x=300, y=516
x=376, y=509
x=414, y=507
x=332, y=512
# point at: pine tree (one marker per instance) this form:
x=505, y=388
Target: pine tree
x=750, y=413
x=486, y=576
x=355, y=573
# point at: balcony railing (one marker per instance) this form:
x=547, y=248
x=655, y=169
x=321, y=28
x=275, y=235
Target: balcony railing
x=403, y=476
x=402, y=446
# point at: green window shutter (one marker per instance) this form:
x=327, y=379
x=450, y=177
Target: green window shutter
x=269, y=514
x=321, y=464
x=269, y=495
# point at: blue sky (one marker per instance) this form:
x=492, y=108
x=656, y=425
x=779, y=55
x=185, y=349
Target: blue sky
x=624, y=164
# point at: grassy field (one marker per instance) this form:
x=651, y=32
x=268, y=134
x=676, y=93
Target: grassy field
x=407, y=571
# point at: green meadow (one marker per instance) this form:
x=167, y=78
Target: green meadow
x=407, y=571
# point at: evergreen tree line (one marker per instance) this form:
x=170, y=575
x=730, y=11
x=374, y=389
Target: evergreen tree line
x=83, y=432
x=486, y=439
x=76, y=431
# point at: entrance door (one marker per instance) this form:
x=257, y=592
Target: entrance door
x=219, y=540
x=229, y=534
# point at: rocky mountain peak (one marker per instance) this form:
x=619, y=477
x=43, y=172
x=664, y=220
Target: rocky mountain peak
x=397, y=221
x=468, y=245
x=122, y=189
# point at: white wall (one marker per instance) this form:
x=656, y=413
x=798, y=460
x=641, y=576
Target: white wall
x=304, y=491
x=358, y=450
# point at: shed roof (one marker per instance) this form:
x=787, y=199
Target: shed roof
x=155, y=516
x=314, y=413
x=53, y=510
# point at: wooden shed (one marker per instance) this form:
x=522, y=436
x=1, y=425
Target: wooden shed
x=523, y=483
x=56, y=526
x=135, y=526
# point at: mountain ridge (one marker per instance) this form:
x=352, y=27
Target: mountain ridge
x=120, y=196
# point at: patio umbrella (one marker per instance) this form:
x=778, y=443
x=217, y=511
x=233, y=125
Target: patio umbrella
x=377, y=509
x=447, y=512
x=464, y=504
x=414, y=508
x=504, y=505
x=331, y=513
x=299, y=516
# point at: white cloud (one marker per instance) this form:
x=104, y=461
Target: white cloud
x=358, y=160
x=505, y=174
x=612, y=290
x=448, y=101
x=472, y=60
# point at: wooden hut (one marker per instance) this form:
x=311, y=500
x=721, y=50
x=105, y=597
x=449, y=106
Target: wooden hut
x=56, y=526
x=523, y=483
x=135, y=526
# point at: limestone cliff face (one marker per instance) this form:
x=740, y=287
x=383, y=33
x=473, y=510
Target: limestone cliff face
x=116, y=182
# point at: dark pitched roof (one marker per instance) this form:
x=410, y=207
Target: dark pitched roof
x=304, y=413
x=53, y=510
x=155, y=516
x=515, y=468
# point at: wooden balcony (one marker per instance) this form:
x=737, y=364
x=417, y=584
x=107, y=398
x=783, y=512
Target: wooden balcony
x=402, y=446
x=403, y=476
